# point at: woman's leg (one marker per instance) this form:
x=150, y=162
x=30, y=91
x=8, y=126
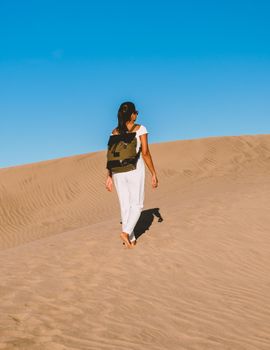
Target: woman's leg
x=135, y=180
x=121, y=186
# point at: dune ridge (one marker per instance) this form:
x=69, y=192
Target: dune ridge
x=54, y=196
x=199, y=279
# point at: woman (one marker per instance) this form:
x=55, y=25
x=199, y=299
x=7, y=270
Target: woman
x=130, y=184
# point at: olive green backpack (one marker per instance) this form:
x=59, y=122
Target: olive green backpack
x=121, y=153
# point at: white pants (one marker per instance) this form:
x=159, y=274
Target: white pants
x=130, y=190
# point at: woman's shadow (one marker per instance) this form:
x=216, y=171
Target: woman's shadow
x=145, y=221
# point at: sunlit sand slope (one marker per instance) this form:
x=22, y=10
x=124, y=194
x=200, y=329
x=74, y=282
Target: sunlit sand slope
x=199, y=279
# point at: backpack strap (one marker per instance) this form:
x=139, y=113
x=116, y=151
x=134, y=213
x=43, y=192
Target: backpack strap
x=134, y=126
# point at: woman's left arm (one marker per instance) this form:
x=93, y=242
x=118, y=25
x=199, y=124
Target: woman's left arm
x=109, y=182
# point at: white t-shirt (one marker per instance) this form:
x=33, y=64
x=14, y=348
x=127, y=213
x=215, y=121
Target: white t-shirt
x=142, y=130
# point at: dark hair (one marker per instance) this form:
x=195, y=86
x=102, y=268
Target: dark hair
x=124, y=115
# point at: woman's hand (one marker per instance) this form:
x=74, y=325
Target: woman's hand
x=109, y=183
x=154, y=181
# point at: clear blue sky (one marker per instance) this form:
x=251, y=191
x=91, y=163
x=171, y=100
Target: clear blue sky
x=193, y=68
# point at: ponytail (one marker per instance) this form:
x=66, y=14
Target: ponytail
x=124, y=115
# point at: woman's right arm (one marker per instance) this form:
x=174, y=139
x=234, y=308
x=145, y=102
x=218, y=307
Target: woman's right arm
x=148, y=159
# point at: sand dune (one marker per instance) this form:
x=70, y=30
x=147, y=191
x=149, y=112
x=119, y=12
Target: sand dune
x=199, y=279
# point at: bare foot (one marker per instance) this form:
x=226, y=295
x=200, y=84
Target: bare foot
x=124, y=236
x=133, y=243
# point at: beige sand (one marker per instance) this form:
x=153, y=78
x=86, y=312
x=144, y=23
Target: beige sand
x=198, y=280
